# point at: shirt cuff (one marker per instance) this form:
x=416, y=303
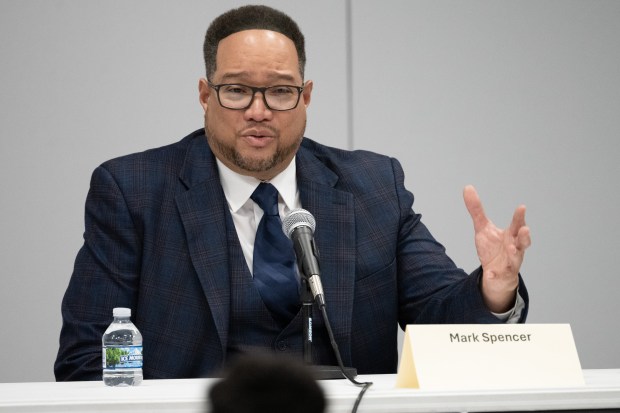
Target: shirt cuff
x=513, y=315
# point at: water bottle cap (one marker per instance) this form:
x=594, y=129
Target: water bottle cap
x=121, y=312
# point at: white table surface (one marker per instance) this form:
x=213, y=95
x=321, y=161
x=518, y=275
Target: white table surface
x=602, y=391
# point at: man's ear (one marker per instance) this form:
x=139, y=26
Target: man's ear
x=307, y=93
x=204, y=91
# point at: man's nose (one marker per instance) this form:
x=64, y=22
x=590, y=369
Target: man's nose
x=258, y=109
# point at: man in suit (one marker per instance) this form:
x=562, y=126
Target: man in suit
x=171, y=232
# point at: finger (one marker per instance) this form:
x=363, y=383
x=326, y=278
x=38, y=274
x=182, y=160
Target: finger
x=518, y=221
x=524, y=239
x=474, y=207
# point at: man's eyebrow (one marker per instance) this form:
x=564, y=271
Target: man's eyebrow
x=244, y=76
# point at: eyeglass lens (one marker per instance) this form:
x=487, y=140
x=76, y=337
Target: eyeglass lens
x=241, y=96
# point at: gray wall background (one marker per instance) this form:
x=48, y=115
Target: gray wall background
x=521, y=99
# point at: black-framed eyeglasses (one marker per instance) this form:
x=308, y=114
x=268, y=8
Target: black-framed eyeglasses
x=240, y=97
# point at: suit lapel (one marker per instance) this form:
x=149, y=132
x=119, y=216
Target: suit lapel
x=333, y=210
x=202, y=209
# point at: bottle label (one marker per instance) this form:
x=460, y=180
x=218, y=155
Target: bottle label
x=122, y=357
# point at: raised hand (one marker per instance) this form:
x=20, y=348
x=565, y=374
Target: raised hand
x=500, y=252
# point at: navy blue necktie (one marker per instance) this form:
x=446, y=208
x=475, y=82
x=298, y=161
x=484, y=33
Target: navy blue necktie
x=274, y=259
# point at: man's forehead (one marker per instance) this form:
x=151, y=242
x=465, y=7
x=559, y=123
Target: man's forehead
x=257, y=53
x=252, y=36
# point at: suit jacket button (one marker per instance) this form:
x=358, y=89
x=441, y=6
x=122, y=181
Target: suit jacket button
x=282, y=345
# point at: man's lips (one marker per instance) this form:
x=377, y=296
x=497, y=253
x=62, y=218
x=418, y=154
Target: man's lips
x=257, y=133
x=257, y=137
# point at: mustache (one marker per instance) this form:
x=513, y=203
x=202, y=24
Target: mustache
x=259, y=126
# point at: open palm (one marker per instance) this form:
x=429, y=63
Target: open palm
x=500, y=251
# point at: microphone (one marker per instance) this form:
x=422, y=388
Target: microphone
x=299, y=226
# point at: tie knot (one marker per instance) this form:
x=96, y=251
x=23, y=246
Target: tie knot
x=266, y=196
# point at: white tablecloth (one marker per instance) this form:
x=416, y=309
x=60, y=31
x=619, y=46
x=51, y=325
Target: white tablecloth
x=602, y=391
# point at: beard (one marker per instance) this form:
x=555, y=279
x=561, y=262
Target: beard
x=251, y=163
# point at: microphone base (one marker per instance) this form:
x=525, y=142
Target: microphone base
x=331, y=372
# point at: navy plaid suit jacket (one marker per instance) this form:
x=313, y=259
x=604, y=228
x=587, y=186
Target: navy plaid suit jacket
x=155, y=241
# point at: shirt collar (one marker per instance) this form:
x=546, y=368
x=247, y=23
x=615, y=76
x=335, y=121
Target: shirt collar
x=238, y=188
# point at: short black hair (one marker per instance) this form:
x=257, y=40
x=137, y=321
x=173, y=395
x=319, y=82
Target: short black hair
x=261, y=383
x=249, y=18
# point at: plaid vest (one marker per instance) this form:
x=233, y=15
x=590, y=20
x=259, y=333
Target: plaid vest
x=251, y=326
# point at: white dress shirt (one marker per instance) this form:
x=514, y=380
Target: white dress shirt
x=246, y=213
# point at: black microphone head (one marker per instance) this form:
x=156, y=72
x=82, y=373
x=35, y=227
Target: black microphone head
x=297, y=218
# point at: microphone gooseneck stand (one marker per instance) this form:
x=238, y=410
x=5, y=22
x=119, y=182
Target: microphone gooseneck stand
x=306, y=307
x=299, y=226
x=322, y=372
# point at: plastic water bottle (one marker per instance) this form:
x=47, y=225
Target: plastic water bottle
x=122, y=351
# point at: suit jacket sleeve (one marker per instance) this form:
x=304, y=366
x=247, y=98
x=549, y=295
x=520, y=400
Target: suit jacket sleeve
x=105, y=275
x=431, y=288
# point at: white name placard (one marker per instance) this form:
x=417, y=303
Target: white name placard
x=489, y=356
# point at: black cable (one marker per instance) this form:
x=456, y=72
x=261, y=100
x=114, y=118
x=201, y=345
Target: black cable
x=365, y=385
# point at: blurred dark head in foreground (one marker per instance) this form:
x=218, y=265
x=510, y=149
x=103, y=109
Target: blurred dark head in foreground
x=266, y=384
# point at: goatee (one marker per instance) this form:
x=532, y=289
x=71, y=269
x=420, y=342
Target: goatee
x=249, y=163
